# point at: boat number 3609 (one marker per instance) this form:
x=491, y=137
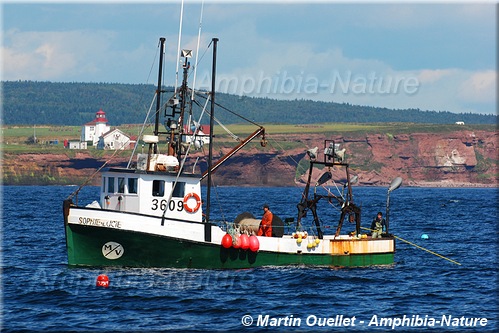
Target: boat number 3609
x=172, y=205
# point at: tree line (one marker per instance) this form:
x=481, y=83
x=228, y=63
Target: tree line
x=75, y=103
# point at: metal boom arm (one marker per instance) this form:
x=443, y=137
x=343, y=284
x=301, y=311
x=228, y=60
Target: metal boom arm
x=243, y=143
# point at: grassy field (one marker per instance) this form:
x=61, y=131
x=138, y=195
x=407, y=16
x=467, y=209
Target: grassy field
x=13, y=138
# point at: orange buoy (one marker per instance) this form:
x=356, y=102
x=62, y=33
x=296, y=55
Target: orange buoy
x=254, y=244
x=102, y=281
x=227, y=241
x=244, y=242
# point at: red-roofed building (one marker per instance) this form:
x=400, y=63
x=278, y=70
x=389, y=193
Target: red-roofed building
x=93, y=130
x=202, y=134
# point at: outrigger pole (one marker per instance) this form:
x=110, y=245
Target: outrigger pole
x=207, y=228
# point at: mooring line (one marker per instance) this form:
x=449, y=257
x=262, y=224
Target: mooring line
x=420, y=247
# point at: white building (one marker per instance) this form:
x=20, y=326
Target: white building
x=74, y=144
x=93, y=130
x=114, y=140
x=202, y=134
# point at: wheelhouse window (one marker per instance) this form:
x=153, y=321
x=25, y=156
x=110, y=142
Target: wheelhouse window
x=132, y=185
x=110, y=185
x=158, y=188
x=179, y=190
x=121, y=185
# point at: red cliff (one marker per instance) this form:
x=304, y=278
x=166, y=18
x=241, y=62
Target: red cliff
x=460, y=158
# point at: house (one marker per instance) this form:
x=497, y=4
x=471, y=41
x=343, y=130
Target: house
x=75, y=144
x=92, y=131
x=202, y=134
x=114, y=140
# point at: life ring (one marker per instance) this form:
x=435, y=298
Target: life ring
x=198, y=202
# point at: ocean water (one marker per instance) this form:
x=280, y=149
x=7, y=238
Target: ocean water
x=420, y=292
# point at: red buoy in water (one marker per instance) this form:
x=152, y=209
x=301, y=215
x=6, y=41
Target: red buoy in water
x=227, y=241
x=244, y=242
x=254, y=244
x=102, y=281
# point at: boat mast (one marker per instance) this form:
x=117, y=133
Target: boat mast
x=210, y=153
x=158, y=93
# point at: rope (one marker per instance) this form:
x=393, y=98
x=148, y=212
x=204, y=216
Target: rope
x=197, y=50
x=183, y=163
x=420, y=247
x=235, y=137
x=230, y=111
x=93, y=175
x=142, y=129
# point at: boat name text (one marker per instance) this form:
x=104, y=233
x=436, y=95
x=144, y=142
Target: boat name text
x=100, y=223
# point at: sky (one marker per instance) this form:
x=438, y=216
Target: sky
x=438, y=56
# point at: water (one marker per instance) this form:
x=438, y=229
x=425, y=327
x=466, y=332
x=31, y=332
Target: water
x=41, y=293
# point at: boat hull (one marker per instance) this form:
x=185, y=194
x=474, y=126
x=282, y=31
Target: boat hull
x=103, y=245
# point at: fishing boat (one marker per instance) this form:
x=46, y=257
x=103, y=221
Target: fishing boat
x=152, y=213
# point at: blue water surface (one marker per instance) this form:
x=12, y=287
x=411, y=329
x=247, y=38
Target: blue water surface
x=41, y=293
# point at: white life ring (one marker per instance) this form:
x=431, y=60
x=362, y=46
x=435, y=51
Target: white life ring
x=198, y=202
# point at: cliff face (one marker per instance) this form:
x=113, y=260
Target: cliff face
x=461, y=158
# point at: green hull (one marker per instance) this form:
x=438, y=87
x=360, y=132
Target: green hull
x=85, y=247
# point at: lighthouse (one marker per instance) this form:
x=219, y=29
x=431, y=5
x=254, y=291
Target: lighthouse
x=93, y=130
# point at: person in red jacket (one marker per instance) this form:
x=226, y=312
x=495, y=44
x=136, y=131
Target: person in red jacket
x=266, y=224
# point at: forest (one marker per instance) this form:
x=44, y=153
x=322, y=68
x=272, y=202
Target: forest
x=75, y=103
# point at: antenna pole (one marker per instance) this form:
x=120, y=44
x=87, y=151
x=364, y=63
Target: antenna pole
x=178, y=45
x=197, y=51
x=210, y=154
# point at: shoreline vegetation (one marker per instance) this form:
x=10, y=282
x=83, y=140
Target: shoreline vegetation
x=25, y=148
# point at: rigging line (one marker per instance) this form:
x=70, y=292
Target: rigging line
x=197, y=50
x=178, y=45
x=202, y=107
x=183, y=163
x=147, y=81
x=420, y=247
x=235, y=137
x=153, y=63
x=250, y=121
x=163, y=76
x=235, y=114
x=299, y=167
x=337, y=189
x=198, y=61
x=219, y=201
x=329, y=192
x=282, y=148
x=93, y=175
x=143, y=128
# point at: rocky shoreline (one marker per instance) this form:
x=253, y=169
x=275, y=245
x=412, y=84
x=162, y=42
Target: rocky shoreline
x=457, y=159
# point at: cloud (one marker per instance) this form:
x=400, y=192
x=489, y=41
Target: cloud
x=53, y=55
x=297, y=70
x=427, y=76
x=385, y=55
x=479, y=87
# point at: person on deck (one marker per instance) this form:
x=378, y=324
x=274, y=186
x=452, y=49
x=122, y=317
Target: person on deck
x=378, y=226
x=265, y=228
